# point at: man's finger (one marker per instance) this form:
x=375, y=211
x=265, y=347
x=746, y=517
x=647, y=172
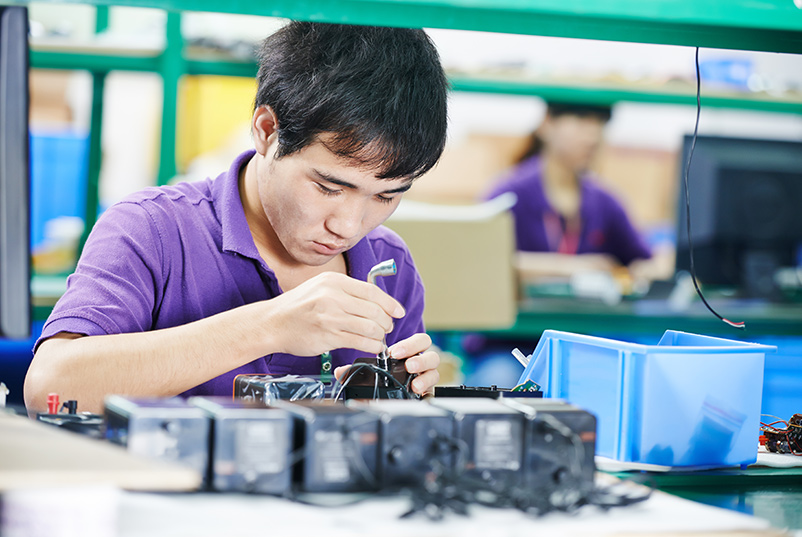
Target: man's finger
x=425, y=382
x=422, y=362
x=373, y=293
x=411, y=346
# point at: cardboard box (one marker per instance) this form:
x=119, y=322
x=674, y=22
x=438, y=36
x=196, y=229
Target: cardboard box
x=465, y=257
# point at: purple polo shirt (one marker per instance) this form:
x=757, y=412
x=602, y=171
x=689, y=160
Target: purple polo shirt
x=605, y=227
x=171, y=255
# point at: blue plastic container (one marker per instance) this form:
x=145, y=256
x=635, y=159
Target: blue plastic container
x=59, y=178
x=690, y=400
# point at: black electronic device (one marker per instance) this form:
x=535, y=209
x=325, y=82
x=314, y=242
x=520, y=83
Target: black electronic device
x=15, y=273
x=492, y=439
x=560, y=442
x=367, y=380
x=413, y=438
x=269, y=388
x=746, y=224
x=250, y=445
x=68, y=418
x=335, y=446
x=163, y=429
x=491, y=392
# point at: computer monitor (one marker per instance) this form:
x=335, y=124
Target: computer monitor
x=746, y=212
x=15, y=293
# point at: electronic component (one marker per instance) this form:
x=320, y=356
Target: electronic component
x=413, y=437
x=84, y=423
x=165, y=429
x=492, y=392
x=250, y=445
x=269, y=388
x=367, y=380
x=783, y=440
x=491, y=436
x=336, y=446
x=560, y=442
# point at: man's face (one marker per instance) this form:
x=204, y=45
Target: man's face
x=320, y=205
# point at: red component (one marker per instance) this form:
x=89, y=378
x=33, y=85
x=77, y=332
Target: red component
x=52, y=403
x=762, y=439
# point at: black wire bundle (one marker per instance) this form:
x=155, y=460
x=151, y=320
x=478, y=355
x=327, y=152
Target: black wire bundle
x=338, y=388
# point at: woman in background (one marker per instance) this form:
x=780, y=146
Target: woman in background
x=561, y=210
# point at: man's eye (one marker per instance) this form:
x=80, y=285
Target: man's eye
x=385, y=199
x=327, y=191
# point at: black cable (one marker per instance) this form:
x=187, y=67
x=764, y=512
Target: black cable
x=736, y=324
x=339, y=387
x=448, y=488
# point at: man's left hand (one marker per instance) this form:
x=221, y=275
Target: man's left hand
x=419, y=358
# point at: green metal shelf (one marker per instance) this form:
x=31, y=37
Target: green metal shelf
x=609, y=94
x=765, y=25
x=579, y=91
x=573, y=315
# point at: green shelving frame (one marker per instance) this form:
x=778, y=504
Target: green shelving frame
x=767, y=25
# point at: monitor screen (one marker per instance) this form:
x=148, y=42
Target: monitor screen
x=15, y=294
x=746, y=221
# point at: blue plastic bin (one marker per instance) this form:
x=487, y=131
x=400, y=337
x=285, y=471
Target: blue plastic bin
x=59, y=178
x=690, y=400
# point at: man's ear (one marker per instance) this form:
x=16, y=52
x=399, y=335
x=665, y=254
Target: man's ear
x=264, y=127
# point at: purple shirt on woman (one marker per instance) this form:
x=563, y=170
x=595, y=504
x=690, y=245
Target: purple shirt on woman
x=604, y=226
x=171, y=255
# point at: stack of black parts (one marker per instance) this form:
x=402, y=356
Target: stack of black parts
x=542, y=446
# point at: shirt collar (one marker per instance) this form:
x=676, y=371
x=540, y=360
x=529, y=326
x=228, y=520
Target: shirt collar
x=236, y=233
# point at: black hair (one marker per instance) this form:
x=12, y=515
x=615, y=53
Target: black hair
x=380, y=93
x=555, y=109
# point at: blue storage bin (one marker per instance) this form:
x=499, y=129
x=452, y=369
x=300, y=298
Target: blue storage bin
x=690, y=400
x=59, y=178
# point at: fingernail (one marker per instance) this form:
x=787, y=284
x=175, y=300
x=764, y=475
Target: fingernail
x=399, y=312
x=412, y=365
x=417, y=386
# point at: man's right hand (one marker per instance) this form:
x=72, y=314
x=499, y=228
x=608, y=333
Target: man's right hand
x=331, y=311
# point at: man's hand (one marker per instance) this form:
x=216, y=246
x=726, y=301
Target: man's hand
x=332, y=311
x=419, y=359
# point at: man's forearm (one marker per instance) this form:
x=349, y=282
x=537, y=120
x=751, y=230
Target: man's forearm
x=159, y=363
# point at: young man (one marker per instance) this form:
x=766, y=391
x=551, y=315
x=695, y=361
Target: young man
x=263, y=269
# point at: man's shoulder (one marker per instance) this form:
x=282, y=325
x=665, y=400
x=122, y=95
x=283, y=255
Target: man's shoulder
x=179, y=193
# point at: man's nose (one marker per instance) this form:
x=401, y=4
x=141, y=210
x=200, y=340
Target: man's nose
x=346, y=221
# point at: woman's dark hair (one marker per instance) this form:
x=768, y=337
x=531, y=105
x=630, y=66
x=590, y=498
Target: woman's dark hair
x=380, y=92
x=556, y=109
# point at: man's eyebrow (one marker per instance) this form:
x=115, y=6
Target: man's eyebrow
x=400, y=189
x=335, y=181
x=345, y=184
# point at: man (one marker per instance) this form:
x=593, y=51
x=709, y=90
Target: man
x=262, y=270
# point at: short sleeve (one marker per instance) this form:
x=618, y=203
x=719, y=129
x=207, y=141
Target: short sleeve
x=116, y=285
